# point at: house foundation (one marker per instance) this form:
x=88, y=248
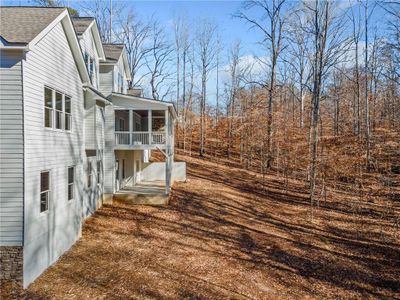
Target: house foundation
x=11, y=263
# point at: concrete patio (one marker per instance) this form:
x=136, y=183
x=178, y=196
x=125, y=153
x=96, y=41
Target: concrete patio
x=143, y=193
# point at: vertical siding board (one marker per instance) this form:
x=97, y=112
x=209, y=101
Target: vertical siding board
x=11, y=149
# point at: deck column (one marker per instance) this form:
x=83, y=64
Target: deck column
x=150, y=124
x=130, y=126
x=168, y=162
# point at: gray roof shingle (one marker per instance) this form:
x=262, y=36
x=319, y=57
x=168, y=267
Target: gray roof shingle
x=113, y=51
x=21, y=24
x=81, y=23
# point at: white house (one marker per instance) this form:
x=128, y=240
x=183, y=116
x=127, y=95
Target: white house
x=71, y=134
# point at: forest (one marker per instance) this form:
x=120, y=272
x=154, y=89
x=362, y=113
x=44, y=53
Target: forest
x=319, y=103
x=292, y=153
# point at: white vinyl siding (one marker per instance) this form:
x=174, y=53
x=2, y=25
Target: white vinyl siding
x=121, y=82
x=49, y=235
x=106, y=79
x=109, y=156
x=11, y=149
x=88, y=46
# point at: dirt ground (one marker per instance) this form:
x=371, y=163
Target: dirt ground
x=224, y=235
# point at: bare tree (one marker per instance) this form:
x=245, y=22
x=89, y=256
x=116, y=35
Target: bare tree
x=234, y=73
x=181, y=48
x=271, y=25
x=356, y=35
x=206, y=51
x=329, y=44
x=158, y=63
x=103, y=11
x=298, y=57
x=135, y=35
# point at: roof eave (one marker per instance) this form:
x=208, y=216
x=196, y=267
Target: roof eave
x=169, y=105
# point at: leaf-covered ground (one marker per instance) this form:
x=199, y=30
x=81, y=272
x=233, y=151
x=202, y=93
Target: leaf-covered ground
x=225, y=235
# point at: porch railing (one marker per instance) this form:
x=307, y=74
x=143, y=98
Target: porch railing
x=139, y=138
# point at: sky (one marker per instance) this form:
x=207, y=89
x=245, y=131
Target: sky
x=219, y=12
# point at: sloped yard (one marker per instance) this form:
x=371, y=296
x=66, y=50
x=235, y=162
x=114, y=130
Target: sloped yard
x=224, y=236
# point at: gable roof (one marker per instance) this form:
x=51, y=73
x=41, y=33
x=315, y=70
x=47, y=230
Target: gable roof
x=21, y=24
x=81, y=23
x=38, y=22
x=113, y=51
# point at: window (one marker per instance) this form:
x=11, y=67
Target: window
x=87, y=62
x=59, y=110
x=48, y=107
x=70, y=183
x=89, y=174
x=91, y=67
x=93, y=75
x=57, y=113
x=44, y=190
x=120, y=83
x=99, y=172
x=67, y=105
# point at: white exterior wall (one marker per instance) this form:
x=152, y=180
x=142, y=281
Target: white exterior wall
x=88, y=45
x=109, y=156
x=106, y=79
x=119, y=69
x=156, y=171
x=11, y=149
x=49, y=234
x=89, y=123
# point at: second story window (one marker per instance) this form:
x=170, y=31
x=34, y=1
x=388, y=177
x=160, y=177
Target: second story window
x=48, y=108
x=120, y=83
x=67, y=105
x=57, y=110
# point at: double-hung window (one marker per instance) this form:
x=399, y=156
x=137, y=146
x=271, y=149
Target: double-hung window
x=44, y=190
x=57, y=110
x=48, y=107
x=67, y=108
x=70, y=183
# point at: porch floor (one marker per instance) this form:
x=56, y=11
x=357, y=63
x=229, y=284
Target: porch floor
x=144, y=193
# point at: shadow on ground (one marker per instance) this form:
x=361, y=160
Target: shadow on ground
x=224, y=235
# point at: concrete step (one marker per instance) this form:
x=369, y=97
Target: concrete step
x=141, y=199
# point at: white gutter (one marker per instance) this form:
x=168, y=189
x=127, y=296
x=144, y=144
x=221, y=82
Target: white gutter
x=97, y=96
x=22, y=48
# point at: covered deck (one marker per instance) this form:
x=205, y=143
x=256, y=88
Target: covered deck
x=140, y=129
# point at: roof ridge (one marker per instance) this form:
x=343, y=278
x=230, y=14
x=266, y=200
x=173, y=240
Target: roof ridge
x=82, y=17
x=28, y=6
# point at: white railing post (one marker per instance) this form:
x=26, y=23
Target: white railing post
x=130, y=126
x=150, y=125
x=166, y=122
